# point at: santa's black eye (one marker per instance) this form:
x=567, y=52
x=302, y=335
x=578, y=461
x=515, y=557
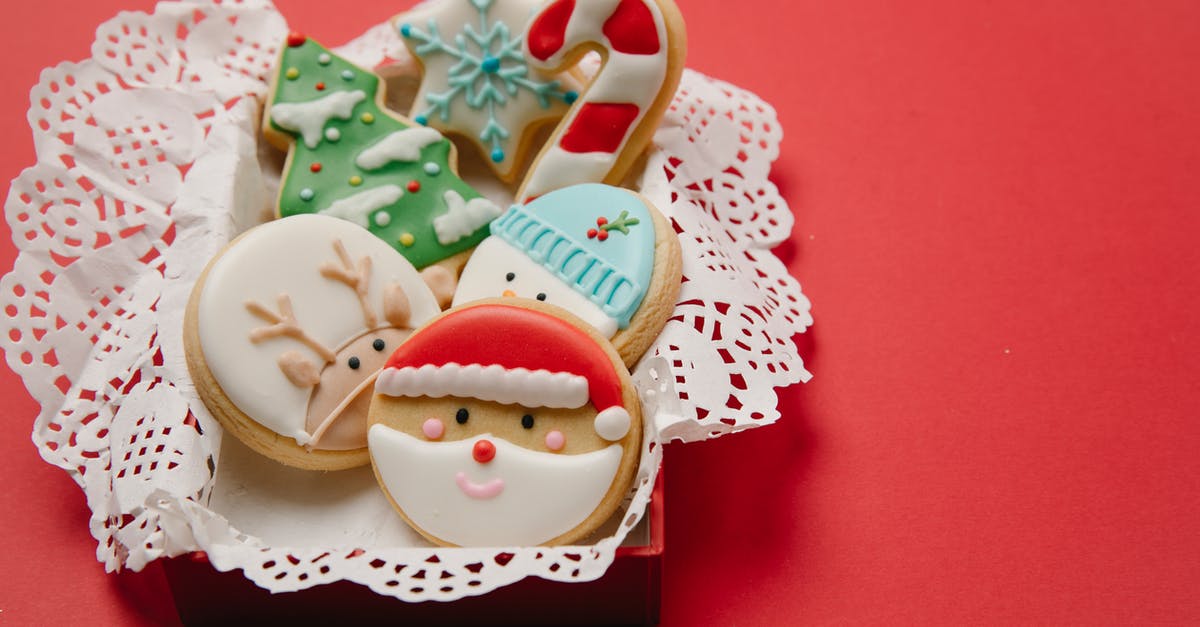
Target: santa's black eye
x=541, y=296
x=462, y=416
x=510, y=276
x=378, y=345
x=527, y=421
x=353, y=363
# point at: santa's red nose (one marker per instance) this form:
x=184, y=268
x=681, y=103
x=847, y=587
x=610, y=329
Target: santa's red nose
x=484, y=451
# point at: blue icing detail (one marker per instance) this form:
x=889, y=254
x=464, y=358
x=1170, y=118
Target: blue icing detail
x=490, y=64
x=406, y=30
x=422, y=120
x=615, y=272
x=570, y=97
x=497, y=155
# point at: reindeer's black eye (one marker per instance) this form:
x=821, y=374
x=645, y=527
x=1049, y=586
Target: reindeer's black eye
x=541, y=296
x=527, y=421
x=378, y=344
x=354, y=363
x=462, y=416
x=510, y=276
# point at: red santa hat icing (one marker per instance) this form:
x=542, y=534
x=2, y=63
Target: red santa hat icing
x=509, y=355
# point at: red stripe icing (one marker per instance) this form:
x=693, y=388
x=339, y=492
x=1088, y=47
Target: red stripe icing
x=630, y=29
x=513, y=337
x=599, y=127
x=549, y=29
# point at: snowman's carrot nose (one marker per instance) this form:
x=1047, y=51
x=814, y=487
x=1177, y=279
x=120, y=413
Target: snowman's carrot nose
x=508, y=293
x=484, y=451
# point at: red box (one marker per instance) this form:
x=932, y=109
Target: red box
x=627, y=594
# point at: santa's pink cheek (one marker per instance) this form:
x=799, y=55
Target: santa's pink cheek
x=555, y=440
x=433, y=429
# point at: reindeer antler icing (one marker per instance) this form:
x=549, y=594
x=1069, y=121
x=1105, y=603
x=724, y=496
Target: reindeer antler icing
x=284, y=324
x=357, y=279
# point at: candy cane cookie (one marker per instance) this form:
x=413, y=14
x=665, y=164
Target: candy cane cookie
x=643, y=44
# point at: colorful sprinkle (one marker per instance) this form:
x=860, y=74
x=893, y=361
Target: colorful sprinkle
x=383, y=218
x=433, y=169
x=367, y=118
x=414, y=186
x=292, y=73
x=497, y=155
x=296, y=39
x=324, y=58
x=490, y=64
x=332, y=134
x=602, y=235
x=320, y=86
x=406, y=30
x=422, y=120
x=407, y=240
x=315, y=167
x=347, y=75
x=307, y=194
x=570, y=97
x=356, y=180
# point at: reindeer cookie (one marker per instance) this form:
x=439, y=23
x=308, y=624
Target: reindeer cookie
x=601, y=252
x=505, y=423
x=287, y=328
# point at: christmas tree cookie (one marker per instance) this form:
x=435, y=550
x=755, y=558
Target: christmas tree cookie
x=351, y=158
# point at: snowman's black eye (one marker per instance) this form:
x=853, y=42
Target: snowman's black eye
x=378, y=344
x=354, y=363
x=462, y=416
x=527, y=421
x=510, y=276
x=541, y=296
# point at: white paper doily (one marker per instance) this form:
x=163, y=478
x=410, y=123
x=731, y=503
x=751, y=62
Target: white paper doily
x=148, y=161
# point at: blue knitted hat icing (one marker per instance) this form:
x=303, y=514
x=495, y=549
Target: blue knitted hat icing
x=597, y=238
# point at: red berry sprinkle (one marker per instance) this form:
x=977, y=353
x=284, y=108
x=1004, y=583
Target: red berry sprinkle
x=602, y=235
x=315, y=167
x=591, y=233
x=601, y=221
x=296, y=39
x=414, y=186
x=320, y=86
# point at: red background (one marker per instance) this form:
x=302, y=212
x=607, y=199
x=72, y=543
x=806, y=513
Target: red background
x=997, y=222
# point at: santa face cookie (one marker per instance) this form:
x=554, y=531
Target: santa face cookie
x=287, y=328
x=503, y=424
x=601, y=252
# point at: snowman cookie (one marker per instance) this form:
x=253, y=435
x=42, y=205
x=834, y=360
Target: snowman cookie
x=601, y=252
x=287, y=328
x=503, y=423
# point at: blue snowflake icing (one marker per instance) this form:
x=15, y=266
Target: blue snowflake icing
x=490, y=69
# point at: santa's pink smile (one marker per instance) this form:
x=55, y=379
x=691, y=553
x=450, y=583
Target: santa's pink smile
x=479, y=490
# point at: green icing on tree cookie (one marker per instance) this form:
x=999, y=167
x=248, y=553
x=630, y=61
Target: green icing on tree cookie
x=353, y=159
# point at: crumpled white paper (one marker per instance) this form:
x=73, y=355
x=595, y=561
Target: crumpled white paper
x=148, y=161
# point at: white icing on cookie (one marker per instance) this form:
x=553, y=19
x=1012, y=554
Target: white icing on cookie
x=463, y=217
x=530, y=388
x=519, y=498
x=359, y=207
x=486, y=276
x=309, y=118
x=284, y=257
x=403, y=145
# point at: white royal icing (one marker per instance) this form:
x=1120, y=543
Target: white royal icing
x=404, y=145
x=359, y=207
x=544, y=494
x=530, y=388
x=284, y=257
x=485, y=276
x=309, y=118
x=463, y=217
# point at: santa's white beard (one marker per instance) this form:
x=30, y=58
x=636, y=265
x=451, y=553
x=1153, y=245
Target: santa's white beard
x=543, y=496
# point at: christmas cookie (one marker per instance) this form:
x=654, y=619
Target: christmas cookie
x=643, y=44
x=351, y=158
x=287, y=328
x=476, y=82
x=505, y=423
x=601, y=252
